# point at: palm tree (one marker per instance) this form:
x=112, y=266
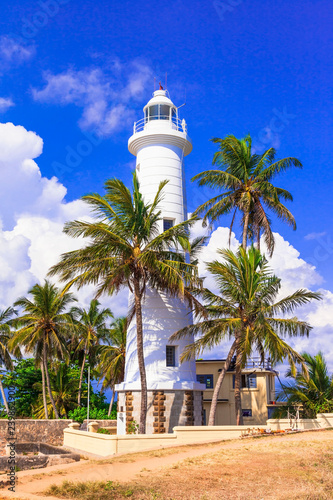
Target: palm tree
x=245, y=180
x=64, y=391
x=125, y=250
x=244, y=311
x=43, y=328
x=5, y=358
x=313, y=389
x=90, y=330
x=112, y=357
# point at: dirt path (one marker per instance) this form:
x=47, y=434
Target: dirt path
x=290, y=461
x=32, y=483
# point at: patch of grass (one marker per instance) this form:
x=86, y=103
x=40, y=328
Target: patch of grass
x=102, y=490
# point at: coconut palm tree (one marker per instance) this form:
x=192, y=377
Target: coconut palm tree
x=125, y=249
x=64, y=391
x=244, y=181
x=112, y=357
x=90, y=330
x=43, y=328
x=5, y=357
x=313, y=389
x=245, y=312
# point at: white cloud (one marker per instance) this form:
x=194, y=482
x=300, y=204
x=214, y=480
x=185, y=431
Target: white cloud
x=314, y=236
x=33, y=212
x=14, y=52
x=106, y=99
x=5, y=104
x=295, y=273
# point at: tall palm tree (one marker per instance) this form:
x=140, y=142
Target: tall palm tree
x=90, y=330
x=5, y=357
x=112, y=357
x=64, y=391
x=313, y=389
x=245, y=180
x=43, y=328
x=125, y=249
x=245, y=311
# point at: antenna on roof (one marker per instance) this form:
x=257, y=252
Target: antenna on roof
x=154, y=83
x=166, y=80
x=184, y=102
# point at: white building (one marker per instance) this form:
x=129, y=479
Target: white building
x=160, y=143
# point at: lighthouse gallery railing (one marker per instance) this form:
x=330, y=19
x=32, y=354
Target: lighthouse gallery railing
x=176, y=124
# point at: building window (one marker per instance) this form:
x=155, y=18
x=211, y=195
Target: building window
x=270, y=412
x=167, y=224
x=170, y=355
x=248, y=381
x=247, y=413
x=204, y=421
x=207, y=380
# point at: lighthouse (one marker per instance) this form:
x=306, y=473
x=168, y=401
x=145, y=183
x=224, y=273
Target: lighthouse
x=160, y=142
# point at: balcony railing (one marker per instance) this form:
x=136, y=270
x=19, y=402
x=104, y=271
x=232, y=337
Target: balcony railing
x=253, y=364
x=176, y=123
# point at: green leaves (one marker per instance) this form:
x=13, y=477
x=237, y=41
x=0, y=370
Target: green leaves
x=244, y=184
x=245, y=309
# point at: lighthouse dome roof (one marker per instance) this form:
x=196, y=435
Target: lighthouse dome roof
x=159, y=97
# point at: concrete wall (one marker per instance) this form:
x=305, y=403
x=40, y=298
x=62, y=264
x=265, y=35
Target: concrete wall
x=43, y=431
x=323, y=420
x=103, y=423
x=104, y=445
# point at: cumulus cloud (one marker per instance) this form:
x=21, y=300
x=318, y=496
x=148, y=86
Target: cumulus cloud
x=33, y=212
x=5, y=104
x=295, y=273
x=106, y=98
x=14, y=52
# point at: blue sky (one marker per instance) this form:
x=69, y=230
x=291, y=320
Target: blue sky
x=73, y=72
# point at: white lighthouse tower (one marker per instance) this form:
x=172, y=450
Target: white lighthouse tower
x=160, y=142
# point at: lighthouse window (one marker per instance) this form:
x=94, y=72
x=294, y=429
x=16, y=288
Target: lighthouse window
x=174, y=113
x=164, y=112
x=167, y=224
x=170, y=355
x=153, y=112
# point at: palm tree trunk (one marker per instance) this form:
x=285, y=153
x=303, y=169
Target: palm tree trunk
x=44, y=390
x=141, y=359
x=4, y=396
x=81, y=378
x=218, y=386
x=245, y=228
x=48, y=383
x=258, y=239
x=238, y=380
x=111, y=402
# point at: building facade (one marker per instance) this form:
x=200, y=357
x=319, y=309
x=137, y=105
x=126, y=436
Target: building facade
x=257, y=393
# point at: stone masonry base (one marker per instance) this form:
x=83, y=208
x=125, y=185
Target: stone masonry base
x=166, y=409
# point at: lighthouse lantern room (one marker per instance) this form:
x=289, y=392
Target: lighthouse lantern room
x=160, y=143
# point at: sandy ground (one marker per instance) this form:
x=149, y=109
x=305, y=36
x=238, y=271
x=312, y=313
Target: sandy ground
x=123, y=468
x=280, y=467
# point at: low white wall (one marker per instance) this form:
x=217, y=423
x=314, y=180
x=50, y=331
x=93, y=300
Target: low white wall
x=105, y=445
x=323, y=420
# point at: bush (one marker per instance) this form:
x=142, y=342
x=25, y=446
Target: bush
x=80, y=414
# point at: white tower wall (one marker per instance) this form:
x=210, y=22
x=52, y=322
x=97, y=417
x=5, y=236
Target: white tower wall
x=160, y=146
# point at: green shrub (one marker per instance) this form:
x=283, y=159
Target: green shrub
x=80, y=414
